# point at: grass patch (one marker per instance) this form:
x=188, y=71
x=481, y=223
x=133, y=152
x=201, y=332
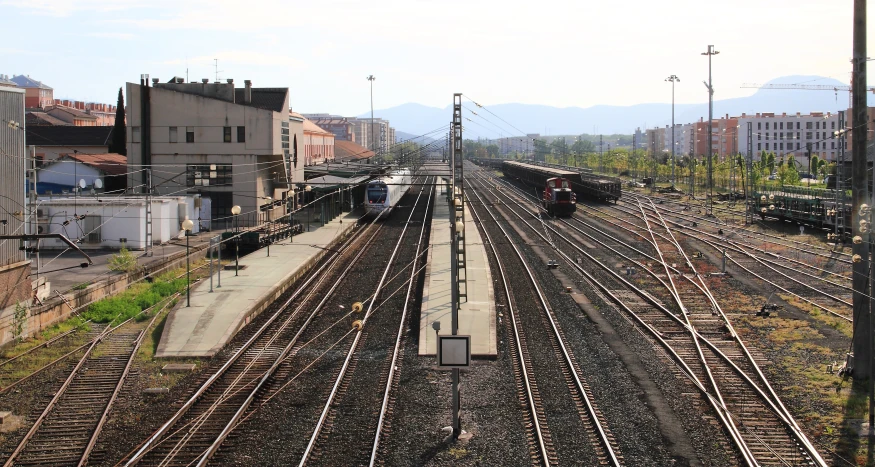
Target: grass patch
x=81, y=286
x=138, y=297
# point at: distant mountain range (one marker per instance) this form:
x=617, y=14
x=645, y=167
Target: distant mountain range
x=416, y=119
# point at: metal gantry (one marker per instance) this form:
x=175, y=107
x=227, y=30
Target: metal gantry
x=457, y=232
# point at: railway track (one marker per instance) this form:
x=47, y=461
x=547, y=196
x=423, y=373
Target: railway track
x=368, y=377
x=196, y=430
x=700, y=339
x=66, y=430
x=829, y=292
x=571, y=408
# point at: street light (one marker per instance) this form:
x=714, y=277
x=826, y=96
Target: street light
x=269, y=223
x=371, y=78
x=673, y=79
x=187, y=225
x=236, y=212
x=709, y=53
x=308, y=189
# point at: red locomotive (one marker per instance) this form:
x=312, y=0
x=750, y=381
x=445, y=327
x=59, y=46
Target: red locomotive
x=558, y=199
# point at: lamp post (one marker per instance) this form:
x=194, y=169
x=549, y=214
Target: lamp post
x=236, y=212
x=269, y=223
x=308, y=189
x=710, y=53
x=187, y=225
x=371, y=78
x=673, y=79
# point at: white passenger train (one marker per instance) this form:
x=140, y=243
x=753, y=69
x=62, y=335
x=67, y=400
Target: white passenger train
x=382, y=194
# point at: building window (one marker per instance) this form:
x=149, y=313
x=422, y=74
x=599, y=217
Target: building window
x=226, y=134
x=759, y=136
x=782, y=125
x=189, y=134
x=241, y=134
x=798, y=145
x=208, y=175
x=808, y=125
x=816, y=145
x=173, y=132
x=767, y=125
x=760, y=125
x=135, y=134
x=833, y=145
x=767, y=135
x=798, y=134
x=759, y=146
x=782, y=146
x=808, y=133
x=767, y=146
x=782, y=133
x=833, y=127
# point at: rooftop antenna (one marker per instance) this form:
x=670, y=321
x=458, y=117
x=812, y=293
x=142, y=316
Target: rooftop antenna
x=217, y=69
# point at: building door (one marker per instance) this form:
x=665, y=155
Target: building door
x=92, y=229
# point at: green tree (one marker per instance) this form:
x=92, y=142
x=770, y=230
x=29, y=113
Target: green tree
x=119, y=143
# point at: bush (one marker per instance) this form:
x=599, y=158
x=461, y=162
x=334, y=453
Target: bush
x=114, y=309
x=147, y=299
x=123, y=261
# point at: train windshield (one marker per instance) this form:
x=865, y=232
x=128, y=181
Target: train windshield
x=377, y=193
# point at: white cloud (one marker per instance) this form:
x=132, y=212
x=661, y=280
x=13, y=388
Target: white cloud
x=111, y=35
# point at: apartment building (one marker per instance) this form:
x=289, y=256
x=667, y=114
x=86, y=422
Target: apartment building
x=235, y=146
x=379, y=138
x=37, y=93
x=337, y=125
x=784, y=134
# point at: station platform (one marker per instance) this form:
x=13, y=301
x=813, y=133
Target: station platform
x=213, y=318
x=477, y=314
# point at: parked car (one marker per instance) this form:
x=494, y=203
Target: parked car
x=774, y=176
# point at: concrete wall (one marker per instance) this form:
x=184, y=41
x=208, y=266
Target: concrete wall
x=14, y=281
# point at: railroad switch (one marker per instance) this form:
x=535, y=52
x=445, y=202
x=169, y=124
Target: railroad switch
x=767, y=309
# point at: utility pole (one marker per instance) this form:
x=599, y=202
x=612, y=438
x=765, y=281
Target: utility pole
x=673, y=79
x=708, y=85
x=371, y=78
x=863, y=335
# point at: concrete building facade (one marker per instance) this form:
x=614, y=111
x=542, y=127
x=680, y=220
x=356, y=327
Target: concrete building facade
x=15, y=284
x=235, y=146
x=318, y=144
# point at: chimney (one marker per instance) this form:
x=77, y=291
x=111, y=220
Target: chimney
x=205, y=80
x=247, y=92
x=230, y=80
x=154, y=81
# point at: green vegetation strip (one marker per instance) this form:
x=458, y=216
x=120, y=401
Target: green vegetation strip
x=131, y=302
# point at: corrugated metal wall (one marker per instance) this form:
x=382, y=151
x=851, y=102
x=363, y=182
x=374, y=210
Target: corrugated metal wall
x=12, y=173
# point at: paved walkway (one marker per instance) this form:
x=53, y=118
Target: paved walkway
x=477, y=315
x=215, y=317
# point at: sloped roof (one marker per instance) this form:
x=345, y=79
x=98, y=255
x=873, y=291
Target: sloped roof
x=310, y=127
x=43, y=119
x=347, y=150
x=110, y=163
x=273, y=99
x=74, y=112
x=28, y=82
x=68, y=135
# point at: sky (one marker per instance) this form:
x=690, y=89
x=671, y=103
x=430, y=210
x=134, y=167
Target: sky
x=551, y=52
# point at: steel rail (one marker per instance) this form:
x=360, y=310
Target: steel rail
x=779, y=410
x=590, y=407
x=280, y=359
x=311, y=444
x=526, y=370
x=387, y=391
x=60, y=392
x=158, y=434
x=728, y=421
x=83, y=460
